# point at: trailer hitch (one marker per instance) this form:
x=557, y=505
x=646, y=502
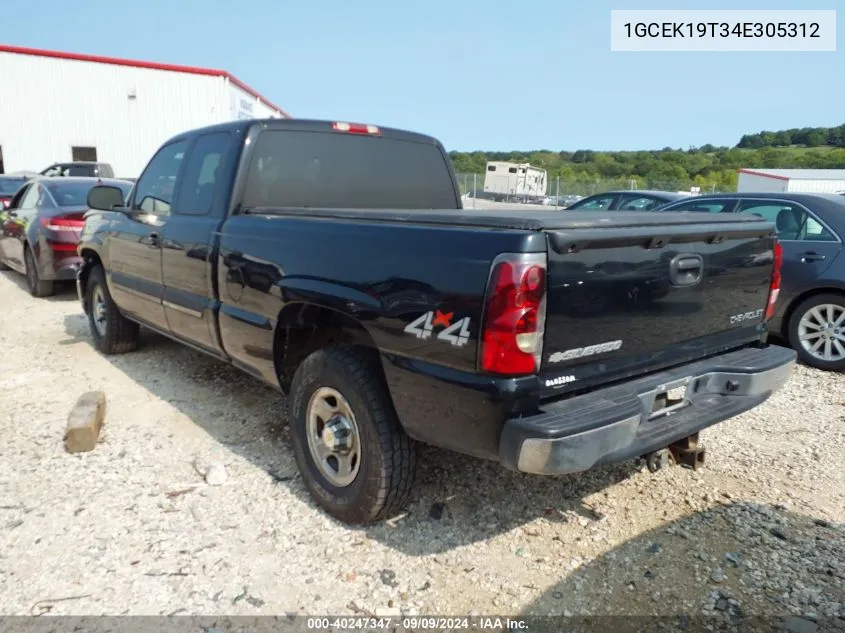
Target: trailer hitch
x=688, y=452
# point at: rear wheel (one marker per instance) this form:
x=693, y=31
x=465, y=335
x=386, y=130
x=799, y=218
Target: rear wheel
x=37, y=287
x=817, y=332
x=354, y=457
x=112, y=332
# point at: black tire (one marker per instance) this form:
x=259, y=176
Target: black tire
x=387, y=467
x=3, y=266
x=119, y=335
x=37, y=286
x=793, y=334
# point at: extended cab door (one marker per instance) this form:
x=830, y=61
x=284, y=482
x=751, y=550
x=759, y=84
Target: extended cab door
x=134, y=241
x=200, y=206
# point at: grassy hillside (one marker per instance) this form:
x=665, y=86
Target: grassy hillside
x=710, y=167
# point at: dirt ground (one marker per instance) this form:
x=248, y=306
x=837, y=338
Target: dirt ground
x=132, y=528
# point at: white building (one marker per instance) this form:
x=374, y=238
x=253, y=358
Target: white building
x=57, y=107
x=797, y=180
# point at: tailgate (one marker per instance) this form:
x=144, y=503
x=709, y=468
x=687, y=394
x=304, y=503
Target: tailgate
x=629, y=299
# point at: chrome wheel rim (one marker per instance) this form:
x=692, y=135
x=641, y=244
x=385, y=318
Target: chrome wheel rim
x=333, y=438
x=821, y=331
x=98, y=310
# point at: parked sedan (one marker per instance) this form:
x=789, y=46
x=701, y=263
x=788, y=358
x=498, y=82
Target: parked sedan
x=9, y=186
x=41, y=229
x=810, y=312
x=626, y=200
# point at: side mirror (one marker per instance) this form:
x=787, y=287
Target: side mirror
x=105, y=198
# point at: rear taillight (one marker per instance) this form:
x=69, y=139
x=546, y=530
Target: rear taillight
x=514, y=315
x=355, y=128
x=62, y=224
x=774, y=287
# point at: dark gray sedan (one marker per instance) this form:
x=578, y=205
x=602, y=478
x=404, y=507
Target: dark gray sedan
x=810, y=312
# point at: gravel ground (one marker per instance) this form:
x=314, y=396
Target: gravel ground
x=133, y=527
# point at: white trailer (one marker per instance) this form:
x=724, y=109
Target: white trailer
x=503, y=179
x=792, y=180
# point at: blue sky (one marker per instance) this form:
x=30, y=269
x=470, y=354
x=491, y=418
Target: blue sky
x=487, y=75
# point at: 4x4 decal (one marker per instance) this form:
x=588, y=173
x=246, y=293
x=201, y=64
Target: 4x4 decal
x=456, y=333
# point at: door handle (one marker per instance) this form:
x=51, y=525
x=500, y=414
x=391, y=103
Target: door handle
x=154, y=237
x=811, y=256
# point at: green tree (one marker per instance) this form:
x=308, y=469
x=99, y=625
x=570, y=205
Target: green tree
x=782, y=139
x=815, y=138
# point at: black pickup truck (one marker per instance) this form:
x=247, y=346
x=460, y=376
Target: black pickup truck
x=334, y=262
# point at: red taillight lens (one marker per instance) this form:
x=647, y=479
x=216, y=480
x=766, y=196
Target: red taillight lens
x=62, y=224
x=774, y=287
x=514, y=315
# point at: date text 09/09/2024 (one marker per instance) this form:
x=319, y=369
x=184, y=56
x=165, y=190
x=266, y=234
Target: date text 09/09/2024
x=722, y=29
x=415, y=623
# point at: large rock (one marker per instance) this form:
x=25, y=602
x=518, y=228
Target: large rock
x=85, y=422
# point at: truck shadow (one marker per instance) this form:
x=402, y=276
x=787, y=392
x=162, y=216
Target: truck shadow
x=469, y=499
x=737, y=566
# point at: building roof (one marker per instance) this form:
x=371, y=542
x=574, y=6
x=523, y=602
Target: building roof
x=797, y=174
x=117, y=61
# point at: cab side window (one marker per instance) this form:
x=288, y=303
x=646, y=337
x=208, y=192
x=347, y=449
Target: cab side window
x=202, y=174
x=154, y=189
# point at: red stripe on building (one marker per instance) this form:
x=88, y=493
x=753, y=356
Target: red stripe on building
x=132, y=63
x=751, y=172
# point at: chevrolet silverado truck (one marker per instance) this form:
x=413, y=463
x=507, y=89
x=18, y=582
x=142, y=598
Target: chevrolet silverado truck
x=335, y=262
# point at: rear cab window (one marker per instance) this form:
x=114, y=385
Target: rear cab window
x=331, y=170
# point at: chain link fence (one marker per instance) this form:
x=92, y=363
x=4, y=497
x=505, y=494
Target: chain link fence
x=473, y=184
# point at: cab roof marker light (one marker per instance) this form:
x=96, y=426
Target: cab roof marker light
x=356, y=128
